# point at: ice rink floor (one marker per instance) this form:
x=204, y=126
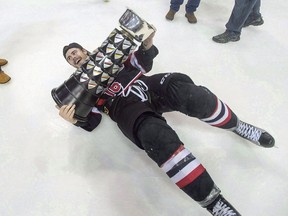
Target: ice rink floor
x=50, y=168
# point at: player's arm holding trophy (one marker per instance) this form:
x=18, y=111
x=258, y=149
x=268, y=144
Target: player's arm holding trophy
x=77, y=96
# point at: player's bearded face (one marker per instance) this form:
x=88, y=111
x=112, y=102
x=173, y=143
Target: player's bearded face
x=76, y=57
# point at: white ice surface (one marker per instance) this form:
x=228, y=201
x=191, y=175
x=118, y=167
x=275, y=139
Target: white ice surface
x=50, y=168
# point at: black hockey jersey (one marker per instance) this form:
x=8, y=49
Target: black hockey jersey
x=138, y=63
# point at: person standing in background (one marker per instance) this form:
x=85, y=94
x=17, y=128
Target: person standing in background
x=244, y=13
x=4, y=78
x=190, y=8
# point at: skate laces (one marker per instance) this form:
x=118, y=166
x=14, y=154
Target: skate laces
x=248, y=131
x=221, y=209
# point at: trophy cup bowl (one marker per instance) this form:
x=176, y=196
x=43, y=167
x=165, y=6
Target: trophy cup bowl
x=135, y=26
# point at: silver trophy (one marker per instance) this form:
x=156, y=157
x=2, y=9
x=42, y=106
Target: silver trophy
x=86, y=85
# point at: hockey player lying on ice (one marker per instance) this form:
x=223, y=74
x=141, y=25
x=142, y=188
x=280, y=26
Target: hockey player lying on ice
x=136, y=103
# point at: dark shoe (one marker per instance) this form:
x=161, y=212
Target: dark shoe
x=226, y=37
x=191, y=17
x=254, y=134
x=255, y=22
x=3, y=62
x=4, y=78
x=170, y=15
x=221, y=207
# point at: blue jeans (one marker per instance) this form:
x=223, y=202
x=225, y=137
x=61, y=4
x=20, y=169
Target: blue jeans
x=190, y=7
x=243, y=10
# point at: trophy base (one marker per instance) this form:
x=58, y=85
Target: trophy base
x=73, y=92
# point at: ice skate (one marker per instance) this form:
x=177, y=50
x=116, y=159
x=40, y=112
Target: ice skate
x=221, y=207
x=254, y=134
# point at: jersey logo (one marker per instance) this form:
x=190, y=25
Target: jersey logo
x=115, y=88
x=139, y=89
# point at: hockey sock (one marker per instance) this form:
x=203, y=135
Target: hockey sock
x=188, y=174
x=222, y=117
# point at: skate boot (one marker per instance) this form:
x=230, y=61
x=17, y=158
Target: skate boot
x=254, y=134
x=221, y=207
